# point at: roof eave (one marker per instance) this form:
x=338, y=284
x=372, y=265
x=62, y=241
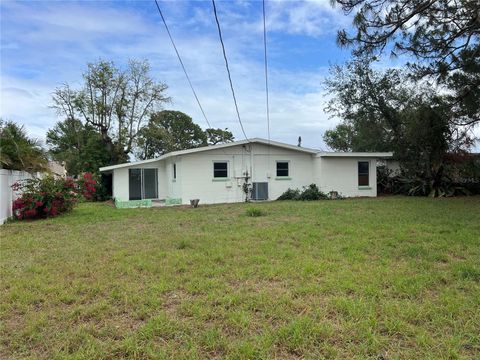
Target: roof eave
x=382, y=155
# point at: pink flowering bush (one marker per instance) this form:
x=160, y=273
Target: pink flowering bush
x=49, y=197
x=87, y=186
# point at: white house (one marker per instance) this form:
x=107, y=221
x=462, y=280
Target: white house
x=217, y=173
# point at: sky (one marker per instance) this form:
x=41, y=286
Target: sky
x=47, y=44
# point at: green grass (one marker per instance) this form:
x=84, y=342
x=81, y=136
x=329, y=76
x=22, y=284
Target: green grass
x=386, y=278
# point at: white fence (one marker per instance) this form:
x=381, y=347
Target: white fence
x=7, y=195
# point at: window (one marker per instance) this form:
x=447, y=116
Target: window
x=363, y=178
x=174, y=171
x=282, y=168
x=220, y=169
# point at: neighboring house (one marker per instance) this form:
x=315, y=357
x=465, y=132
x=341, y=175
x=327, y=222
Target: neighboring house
x=57, y=169
x=217, y=174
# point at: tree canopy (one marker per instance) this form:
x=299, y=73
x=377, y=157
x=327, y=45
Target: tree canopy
x=381, y=110
x=114, y=102
x=441, y=38
x=78, y=145
x=18, y=151
x=434, y=31
x=218, y=136
x=170, y=130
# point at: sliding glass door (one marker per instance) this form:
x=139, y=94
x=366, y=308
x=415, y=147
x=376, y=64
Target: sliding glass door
x=135, y=184
x=142, y=184
x=150, y=183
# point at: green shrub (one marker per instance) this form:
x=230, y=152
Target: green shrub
x=254, y=212
x=309, y=193
x=312, y=192
x=290, y=194
x=418, y=186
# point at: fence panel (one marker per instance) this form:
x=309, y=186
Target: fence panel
x=7, y=195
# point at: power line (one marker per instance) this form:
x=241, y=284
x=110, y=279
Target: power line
x=181, y=63
x=228, y=69
x=266, y=68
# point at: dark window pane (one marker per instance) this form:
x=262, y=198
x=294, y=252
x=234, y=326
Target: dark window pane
x=363, y=167
x=150, y=183
x=220, y=170
x=363, y=180
x=174, y=171
x=135, y=184
x=363, y=173
x=282, y=168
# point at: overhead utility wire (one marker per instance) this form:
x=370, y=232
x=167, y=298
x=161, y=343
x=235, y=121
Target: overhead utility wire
x=181, y=63
x=228, y=69
x=266, y=69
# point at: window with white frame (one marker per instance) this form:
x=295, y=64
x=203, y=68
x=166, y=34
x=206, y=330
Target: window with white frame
x=174, y=171
x=220, y=169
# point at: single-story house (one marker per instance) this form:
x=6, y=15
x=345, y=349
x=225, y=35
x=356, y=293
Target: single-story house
x=218, y=173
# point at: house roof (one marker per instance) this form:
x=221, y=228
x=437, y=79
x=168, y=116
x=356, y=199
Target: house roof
x=243, y=142
x=213, y=147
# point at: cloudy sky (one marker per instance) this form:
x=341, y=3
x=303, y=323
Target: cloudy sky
x=45, y=44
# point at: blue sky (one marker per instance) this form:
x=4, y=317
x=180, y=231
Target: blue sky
x=45, y=44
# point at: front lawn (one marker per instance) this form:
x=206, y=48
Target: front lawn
x=385, y=278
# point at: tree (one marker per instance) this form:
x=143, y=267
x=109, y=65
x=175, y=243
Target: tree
x=114, y=102
x=78, y=145
x=382, y=111
x=441, y=35
x=18, y=151
x=168, y=131
x=369, y=103
x=218, y=136
x=341, y=138
x=435, y=31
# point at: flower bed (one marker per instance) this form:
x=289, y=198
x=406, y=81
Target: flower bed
x=48, y=197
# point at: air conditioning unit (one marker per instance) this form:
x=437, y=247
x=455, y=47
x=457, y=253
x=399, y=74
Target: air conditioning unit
x=260, y=191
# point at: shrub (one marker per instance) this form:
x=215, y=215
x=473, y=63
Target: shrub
x=290, y=194
x=419, y=186
x=87, y=186
x=49, y=197
x=311, y=192
x=254, y=212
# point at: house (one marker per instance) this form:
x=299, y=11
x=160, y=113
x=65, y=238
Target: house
x=220, y=173
x=57, y=169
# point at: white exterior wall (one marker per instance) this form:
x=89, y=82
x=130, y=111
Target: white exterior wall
x=173, y=186
x=197, y=172
x=300, y=169
x=195, y=179
x=197, y=176
x=341, y=174
x=120, y=189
